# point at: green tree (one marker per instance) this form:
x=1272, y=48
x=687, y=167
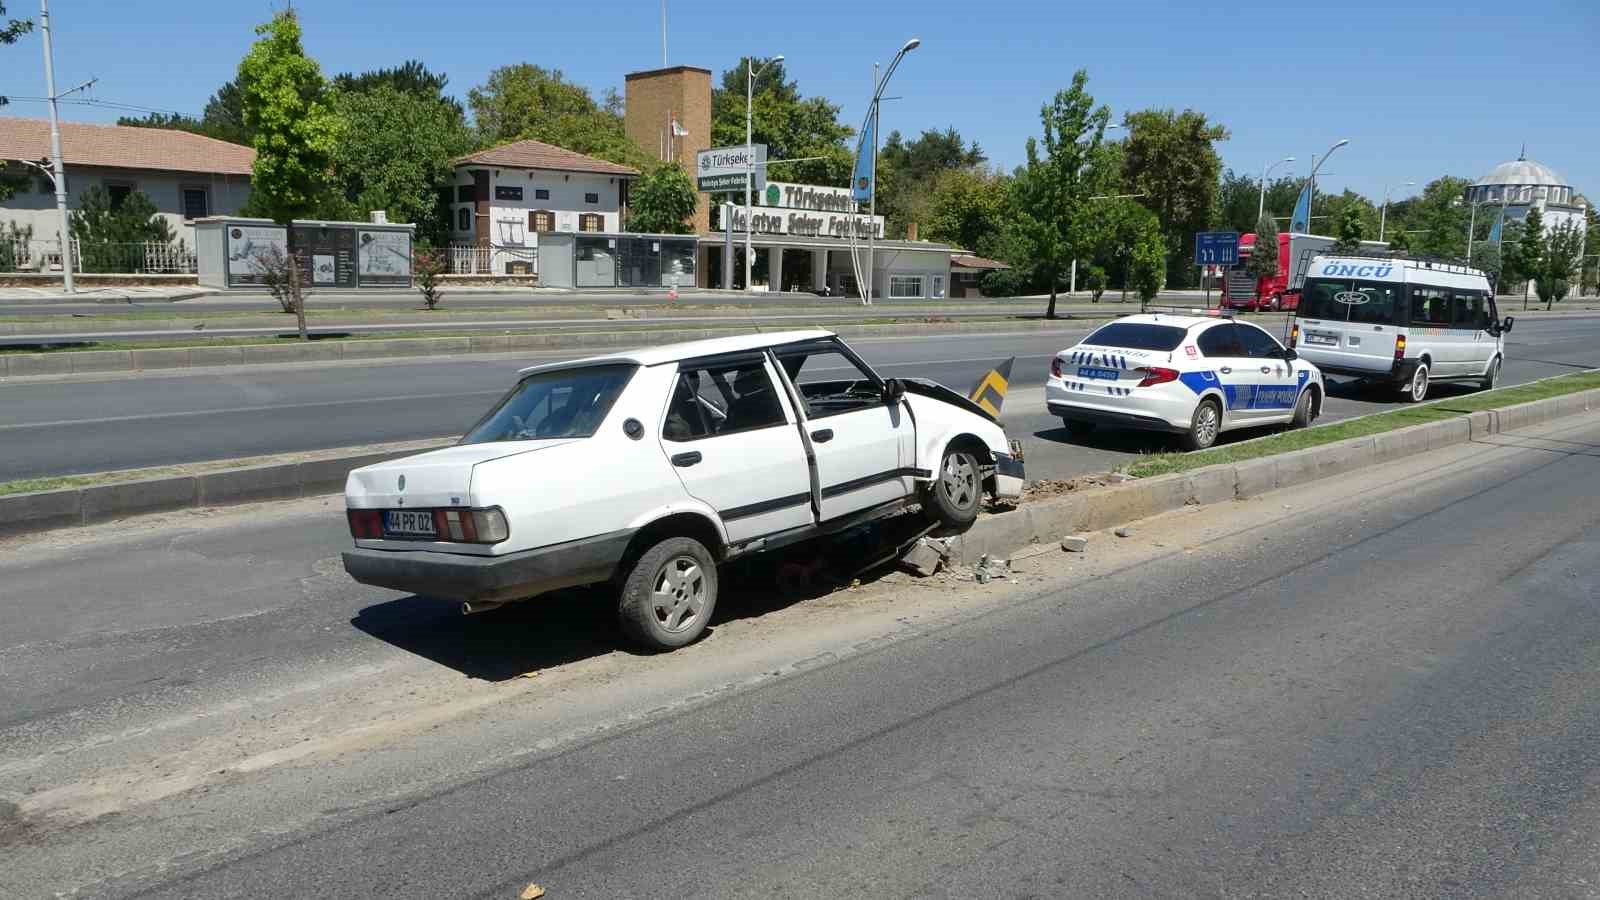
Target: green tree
x=529, y=102
x=1563, y=248
x=907, y=171
x=1237, y=198
x=1488, y=257
x=1147, y=261
x=1350, y=229
x=411, y=77
x=1340, y=207
x=111, y=235
x=1531, y=251
x=285, y=103
x=1263, y=262
x=223, y=118
x=11, y=32
x=394, y=153
x=966, y=208
x=1171, y=158
x=791, y=125
x=1052, y=190
x=1398, y=238
x=662, y=201
x=1438, y=218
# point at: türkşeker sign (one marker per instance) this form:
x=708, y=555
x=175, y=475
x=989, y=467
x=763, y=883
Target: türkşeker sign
x=808, y=210
x=724, y=168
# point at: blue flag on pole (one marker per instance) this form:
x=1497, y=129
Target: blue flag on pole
x=1300, y=222
x=1499, y=219
x=862, y=180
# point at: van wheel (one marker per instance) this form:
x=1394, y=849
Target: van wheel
x=952, y=498
x=1302, y=410
x=1204, y=426
x=1417, y=390
x=669, y=594
x=1491, y=378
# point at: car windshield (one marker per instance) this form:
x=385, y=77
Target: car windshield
x=1346, y=300
x=569, y=403
x=1138, y=336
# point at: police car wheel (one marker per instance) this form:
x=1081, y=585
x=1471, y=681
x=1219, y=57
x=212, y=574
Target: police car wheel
x=1302, y=410
x=1077, y=426
x=1204, y=426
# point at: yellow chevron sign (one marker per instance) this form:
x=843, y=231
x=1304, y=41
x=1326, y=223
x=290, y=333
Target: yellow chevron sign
x=990, y=391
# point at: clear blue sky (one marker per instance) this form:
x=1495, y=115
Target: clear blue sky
x=1420, y=87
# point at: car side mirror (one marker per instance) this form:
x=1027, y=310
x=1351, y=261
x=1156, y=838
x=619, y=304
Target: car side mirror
x=1289, y=355
x=893, y=391
x=1510, y=321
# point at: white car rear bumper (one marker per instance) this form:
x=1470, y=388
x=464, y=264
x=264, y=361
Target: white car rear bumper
x=1158, y=408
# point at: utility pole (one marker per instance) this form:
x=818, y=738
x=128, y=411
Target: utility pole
x=749, y=156
x=1266, y=169
x=872, y=203
x=59, y=174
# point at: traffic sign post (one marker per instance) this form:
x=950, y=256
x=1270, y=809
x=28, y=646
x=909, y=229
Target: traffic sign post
x=1215, y=248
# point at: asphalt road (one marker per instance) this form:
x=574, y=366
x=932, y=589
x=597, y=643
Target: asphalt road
x=1343, y=689
x=68, y=427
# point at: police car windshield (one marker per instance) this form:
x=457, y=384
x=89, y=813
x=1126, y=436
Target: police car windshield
x=1138, y=336
x=1347, y=300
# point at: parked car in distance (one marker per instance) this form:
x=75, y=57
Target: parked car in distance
x=1192, y=375
x=648, y=469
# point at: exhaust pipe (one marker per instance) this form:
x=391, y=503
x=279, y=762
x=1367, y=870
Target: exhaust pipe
x=478, y=606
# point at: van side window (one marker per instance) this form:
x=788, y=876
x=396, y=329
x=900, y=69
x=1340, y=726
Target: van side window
x=1430, y=307
x=1468, y=310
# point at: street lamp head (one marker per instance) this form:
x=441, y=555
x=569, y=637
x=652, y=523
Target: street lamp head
x=911, y=45
x=1288, y=159
x=1341, y=143
x=775, y=59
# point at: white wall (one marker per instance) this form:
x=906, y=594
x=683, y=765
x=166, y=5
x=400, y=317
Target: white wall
x=924, y=263
x=32, y=206
x=508, y=219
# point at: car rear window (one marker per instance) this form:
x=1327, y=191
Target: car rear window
x=1138, y=336
x=570, y=403
x=1344, y=300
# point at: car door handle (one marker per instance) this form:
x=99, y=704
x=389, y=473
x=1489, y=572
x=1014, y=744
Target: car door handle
x=1266, y=370
x=686, y=459
x=1226, y=370
x=822, y=435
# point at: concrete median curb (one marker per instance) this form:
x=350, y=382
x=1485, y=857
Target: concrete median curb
x=25, y=365
x=1045, y=522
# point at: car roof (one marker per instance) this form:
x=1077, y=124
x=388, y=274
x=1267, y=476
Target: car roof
x=1175, y=320
x=665, y=353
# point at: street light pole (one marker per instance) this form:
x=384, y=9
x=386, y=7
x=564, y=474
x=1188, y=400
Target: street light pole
x=1383, y=218
x=878, y=84
x=1261, y=206
x=1311, y=199
x=60, y=174
x=749, y=153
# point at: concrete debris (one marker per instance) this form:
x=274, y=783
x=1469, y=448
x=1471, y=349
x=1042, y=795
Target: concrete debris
x=991, y=569
x=1124, y=531
x=926, y=556
x=1119, y=477
x=531, y=892
x=1075, y=543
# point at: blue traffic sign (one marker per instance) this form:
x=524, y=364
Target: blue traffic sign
x=1216, y=248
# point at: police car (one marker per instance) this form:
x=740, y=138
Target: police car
x=1195, y=375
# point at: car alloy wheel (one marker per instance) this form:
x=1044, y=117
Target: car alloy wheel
x=1419, y=385
x=959, y=481
x=1206, y=424
x=680, y=594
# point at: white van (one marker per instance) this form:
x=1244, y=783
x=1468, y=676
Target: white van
x=1406, y=321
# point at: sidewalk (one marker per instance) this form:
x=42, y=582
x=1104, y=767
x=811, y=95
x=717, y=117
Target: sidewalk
x=131, y=294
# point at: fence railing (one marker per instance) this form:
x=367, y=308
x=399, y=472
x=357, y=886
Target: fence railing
x=494, y=259
x=44, y=257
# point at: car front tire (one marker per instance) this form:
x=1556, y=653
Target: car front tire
x=669, y=594
x=1302, y=410
x=1204, y=426
x=1491, y=378
x=952, y=498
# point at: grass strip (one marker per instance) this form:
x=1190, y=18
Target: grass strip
x=1448, y=408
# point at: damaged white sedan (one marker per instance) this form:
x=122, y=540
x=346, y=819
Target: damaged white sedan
x=648, y=469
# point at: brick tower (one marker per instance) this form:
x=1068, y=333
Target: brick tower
x=654, y=99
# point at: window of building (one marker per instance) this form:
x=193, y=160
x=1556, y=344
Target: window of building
x=905, y=285
x=508, y=192
x=465, y=193
x=720, y=399
x=591, y=222
x=591, y=198
x=196, y=202
x=938, y=288
x=541, y=193
x=118, y=192
x=541, y=220
x=463, y=219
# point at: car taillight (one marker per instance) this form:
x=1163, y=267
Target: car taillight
x=365, y=524
x=1156, y=375
x=1399, y=347
x=472, y=526
x=1055, y=367
x=1294, y=335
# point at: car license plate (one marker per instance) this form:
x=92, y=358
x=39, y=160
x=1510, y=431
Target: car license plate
x=1314, y=338
x=1098, y=373
x=409, y=523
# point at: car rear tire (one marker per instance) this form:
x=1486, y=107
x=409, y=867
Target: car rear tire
x=957, y=488
x=1416, y=390
x=1204, y=426
x=1302, y=410
x=1491, y=378
x=669, y=594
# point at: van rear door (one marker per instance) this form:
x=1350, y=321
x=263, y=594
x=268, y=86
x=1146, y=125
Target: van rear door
x=1348, y=324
